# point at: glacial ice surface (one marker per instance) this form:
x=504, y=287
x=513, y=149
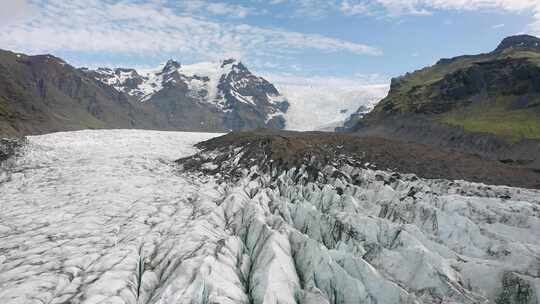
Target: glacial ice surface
x=106, y=217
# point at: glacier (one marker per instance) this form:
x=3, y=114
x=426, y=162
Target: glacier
x=108, y=217
x=320, y=106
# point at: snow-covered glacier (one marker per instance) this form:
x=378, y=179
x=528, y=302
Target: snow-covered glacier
x=108, y=217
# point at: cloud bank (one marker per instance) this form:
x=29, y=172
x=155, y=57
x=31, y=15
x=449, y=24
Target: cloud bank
x=393, y=8
x=154, y=27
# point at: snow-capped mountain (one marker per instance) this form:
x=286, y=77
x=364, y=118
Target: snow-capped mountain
x=41, y=94
x=213, y=95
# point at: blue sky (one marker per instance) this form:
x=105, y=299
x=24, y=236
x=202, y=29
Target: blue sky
x=353, y=41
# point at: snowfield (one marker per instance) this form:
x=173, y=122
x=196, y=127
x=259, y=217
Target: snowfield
x=107, y=217
x=325, y=107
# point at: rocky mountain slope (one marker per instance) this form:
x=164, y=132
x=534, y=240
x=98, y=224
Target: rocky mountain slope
x=205, y=96
x=487, y=104
x=108, y=217
x=41, y=94
x=10, y=147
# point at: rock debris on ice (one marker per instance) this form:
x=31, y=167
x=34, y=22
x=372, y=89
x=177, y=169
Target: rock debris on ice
x=107, y=217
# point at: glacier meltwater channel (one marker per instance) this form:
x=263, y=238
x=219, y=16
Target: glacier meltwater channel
x=108, y=217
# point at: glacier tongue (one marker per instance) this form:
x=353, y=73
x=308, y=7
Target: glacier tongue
x=104, y=217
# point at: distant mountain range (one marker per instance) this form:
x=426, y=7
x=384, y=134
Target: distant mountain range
x=41, y=94
x=487, y=104
x=206, y=96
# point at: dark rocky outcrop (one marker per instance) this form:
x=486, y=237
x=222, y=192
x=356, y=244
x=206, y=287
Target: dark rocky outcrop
x=41, y=94
x=9, y=147
x=277, y=151
x=516, y=290
x=487, y=104
x=245, y=115
x=525, y=42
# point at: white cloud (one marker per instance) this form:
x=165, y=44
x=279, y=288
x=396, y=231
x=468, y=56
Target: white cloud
x=511, y=6
x=227, y=9
x=395, y=8
x=535, y=26
x=13, y=11
x=497, y=26
x=404, y=7
x=351, y=9
x=216, y=8
x=401, y=7
x=153, y=27
x=327, y=81
x=309, y=8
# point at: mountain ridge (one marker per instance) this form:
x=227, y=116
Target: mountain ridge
x=486, y=104
x=226, y=88
x=43, y=93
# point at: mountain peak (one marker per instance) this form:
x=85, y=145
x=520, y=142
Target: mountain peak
x=236, y=65
x=519, y=41
x=171, y=66
x=228, y=61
